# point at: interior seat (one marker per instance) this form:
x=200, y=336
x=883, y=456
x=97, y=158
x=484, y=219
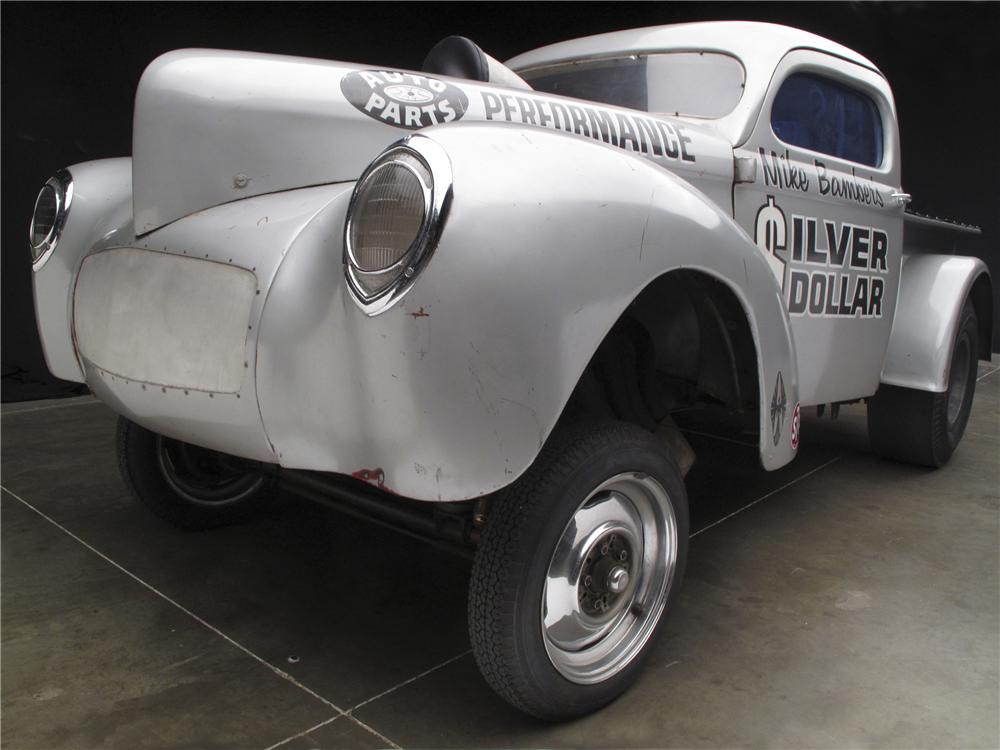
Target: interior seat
x=460, y=57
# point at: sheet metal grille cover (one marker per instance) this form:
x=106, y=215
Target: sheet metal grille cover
x=164, y=319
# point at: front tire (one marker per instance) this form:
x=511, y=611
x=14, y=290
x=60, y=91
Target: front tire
x=578, y=563
x=924, y=428
x=192, y=488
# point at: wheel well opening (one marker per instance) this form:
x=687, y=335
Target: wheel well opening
x=683, y=344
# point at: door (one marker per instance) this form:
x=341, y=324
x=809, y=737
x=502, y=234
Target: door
x=819, y=204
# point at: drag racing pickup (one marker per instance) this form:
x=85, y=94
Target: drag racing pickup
x=478, y=300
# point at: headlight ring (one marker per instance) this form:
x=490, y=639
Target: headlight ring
x=49, y=216
x=394, y=221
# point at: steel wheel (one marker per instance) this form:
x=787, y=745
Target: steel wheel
x=925, y=427
x=578, y=566
x=191, y=487
x=205, y=477
x=608, y=578
x=958, y=380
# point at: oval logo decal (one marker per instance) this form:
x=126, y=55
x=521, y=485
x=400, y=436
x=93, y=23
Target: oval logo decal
x=406, y=100
x=409, y=94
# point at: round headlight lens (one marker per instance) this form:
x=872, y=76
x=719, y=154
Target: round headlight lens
x=388, y=218
x=395, y=220
x=44, y=218
x=51, y=207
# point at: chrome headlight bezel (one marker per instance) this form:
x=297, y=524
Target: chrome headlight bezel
x=61, y=183
x=437, y=198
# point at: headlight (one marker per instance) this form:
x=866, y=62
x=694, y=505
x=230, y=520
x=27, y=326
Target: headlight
x=394, y=221
x=51, y=207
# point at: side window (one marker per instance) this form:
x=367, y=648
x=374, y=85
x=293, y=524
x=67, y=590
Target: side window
x=824, y=115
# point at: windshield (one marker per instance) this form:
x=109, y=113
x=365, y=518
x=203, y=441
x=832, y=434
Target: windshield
x=693, y=84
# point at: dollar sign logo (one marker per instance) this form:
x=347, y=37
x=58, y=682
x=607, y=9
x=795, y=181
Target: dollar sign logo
x=769, y=234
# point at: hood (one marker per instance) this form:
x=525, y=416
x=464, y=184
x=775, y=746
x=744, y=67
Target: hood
x=214, y=126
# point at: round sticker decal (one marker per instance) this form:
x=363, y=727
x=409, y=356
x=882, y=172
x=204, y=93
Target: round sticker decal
x=796, y=425
x=409, y=94
x=406, y=100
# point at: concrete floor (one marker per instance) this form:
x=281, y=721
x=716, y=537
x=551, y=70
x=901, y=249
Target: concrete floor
x=855, y=603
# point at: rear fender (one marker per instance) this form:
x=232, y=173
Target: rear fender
x=932, y=291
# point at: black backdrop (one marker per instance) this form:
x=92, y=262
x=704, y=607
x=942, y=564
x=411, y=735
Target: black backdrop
x=69, y=73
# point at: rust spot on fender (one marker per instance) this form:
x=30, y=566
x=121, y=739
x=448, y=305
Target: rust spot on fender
x=375, y=477
x=421, y=313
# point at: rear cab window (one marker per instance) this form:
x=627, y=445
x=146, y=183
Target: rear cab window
x=824, y=115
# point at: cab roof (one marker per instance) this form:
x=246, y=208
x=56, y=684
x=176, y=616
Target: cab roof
x=760, y=47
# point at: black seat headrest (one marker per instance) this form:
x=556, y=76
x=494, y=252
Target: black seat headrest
x=458, y=57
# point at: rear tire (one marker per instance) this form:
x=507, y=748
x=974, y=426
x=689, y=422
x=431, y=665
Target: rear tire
x=578, y=563
x=193, y=488
x=921, y=427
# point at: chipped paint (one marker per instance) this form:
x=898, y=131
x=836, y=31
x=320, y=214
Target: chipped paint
x=374, y=477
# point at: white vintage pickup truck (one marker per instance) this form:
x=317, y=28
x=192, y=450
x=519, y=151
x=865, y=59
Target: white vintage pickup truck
x=468, y=300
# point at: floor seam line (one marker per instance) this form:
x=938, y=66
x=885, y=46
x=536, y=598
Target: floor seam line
x=404, y=683
x=372, y=730
x=279, y=672
x=982, y=434
x=320, y=725
x=50, y=407
x=767, y=495
x=304, y=732
x=260, y=660
x=987, y=374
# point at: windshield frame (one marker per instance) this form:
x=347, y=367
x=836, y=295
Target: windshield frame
x=569, y=63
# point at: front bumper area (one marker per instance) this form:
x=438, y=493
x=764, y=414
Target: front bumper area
x=166, y=328
x=164, y=319
x=233, y=329
x=164, y=339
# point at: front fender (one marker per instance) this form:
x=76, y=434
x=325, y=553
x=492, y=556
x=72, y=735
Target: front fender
x=451, y=394
x=932, y=291
x=100, y=214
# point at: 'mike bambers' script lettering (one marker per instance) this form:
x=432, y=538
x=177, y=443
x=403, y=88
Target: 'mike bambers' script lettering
x=782, y=173
x=848, y=187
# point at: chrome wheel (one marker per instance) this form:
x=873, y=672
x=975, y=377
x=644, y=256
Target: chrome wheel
x=609, y=577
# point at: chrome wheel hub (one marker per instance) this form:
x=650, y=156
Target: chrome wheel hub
x=605, y=575
x=608, y=578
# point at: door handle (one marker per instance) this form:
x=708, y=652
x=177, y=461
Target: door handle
x=901, y=198
x=744, y=169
